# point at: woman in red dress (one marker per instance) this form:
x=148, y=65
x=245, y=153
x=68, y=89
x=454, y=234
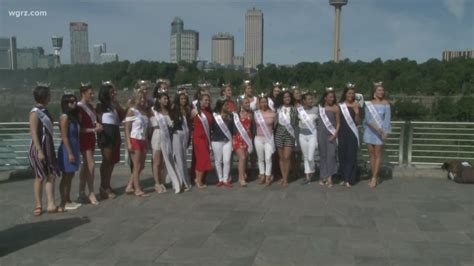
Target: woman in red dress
x=202, y=119
x=87, y=140
x=240, y=145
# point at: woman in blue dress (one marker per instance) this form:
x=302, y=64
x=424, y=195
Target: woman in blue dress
x=68, y=153
x=376, y=128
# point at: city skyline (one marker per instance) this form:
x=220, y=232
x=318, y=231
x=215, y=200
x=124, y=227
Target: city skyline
x=393, y=29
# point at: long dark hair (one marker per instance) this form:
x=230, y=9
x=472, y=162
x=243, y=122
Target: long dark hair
x=176, y=114
x=157, y=105
x=72, y=114
x=279, y=101
x=219, y=105
x=322, y=102
x=343, y=96
x=104, y=96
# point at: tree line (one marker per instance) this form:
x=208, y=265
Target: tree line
x=402, y=78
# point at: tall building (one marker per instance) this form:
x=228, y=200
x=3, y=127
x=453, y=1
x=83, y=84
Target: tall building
x=79, y=43
x=8, y=58
x=108, y=57
x=238, y=61
x=97, y=50
x=449, y=54
x=184, y=44
x=222, y=48
x=253, y=38
x=34, y=58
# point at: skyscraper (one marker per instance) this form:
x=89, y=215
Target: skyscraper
x=451, y=54
x=97, y=50
x=79, y=43
x=184, y=44
x=222, y=48
x=253, y=38
x=8, y=53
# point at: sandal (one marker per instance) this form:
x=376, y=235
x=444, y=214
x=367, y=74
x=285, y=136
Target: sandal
x=329, y=182
x=373, y=182
x=56, y=210
x=322, y=182
x=142, y=194
x=262, y=179
x=243, y=183
x=159, y=189
x=201, y=185
x=284, y=183
x=129, y=191
x=37, y=211
x=268, y=180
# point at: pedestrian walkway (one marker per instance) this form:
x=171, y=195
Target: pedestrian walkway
x=404, y=221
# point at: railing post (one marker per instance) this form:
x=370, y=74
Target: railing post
x=401, y=144
x=410, y=143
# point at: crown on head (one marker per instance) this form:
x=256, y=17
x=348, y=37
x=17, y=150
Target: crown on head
x=350, y=85
x=329, y=89
x=86, y=84
x=43, y=84
x=277, y=84
x=378, y=83
x=107, y=82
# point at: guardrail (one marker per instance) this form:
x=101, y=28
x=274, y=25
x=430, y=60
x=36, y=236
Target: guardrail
x=433, y=143
x=411, y=143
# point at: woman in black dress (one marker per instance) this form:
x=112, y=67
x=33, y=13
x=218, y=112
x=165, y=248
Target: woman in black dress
x=348, y=136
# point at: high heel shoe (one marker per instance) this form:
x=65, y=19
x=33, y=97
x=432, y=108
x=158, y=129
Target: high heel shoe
x=160, y=189
x=93, y=200
x=373, y=182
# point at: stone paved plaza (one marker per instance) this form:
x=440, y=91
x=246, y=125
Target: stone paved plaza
x=405, y=221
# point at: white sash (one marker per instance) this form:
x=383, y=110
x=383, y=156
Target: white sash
x=195, y=103
x=165, y=134
x=271, y=104
x=263, y=126
x=185, y=130
x=47, y=123
x=307, y=121
x=285, y=121
x=205, y=124
x=327, y=123
x=243, y=132
x=220, y=122
x=349, y=120
x=374, y=114
x=89, y=112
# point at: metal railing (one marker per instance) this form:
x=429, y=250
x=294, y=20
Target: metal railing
x=433, y=143
x=411, y=143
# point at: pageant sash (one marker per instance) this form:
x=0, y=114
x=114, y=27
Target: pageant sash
x=243, y=132
x=185, y=130
x=89, y=112
x=263, y=126
x=374, y=114
x=327, y=123
x=220, y=122
x=271, y=104
x=285, y=121
x=205, y=124
x=164, y=131
x=306, y=120
x=349, y=120
x=47, y=123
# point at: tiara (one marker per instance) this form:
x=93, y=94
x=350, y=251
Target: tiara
x=85, y=84
x=42, y=84
x=328, y=89
x=276, y=84
x=162, y=80
x=141, y=82
x=262, y=95
x=379, y=83
x=284, y=89
x=306, y=92
x=107, y=82
x=67, y=92
x=247, y=82
x=204, y=84
x=294, y=87
x=181, y=91
x=225, y=85
x=350, y=85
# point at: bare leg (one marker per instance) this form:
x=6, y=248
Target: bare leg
x=285, y=163
x=199, y=178
x=242, y=154
x=138, y=158
x=106, y=169
x=49, y=187
x=38, y=189
x=89, y=168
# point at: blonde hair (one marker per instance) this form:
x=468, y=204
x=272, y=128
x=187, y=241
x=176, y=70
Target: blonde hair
x=139, y=93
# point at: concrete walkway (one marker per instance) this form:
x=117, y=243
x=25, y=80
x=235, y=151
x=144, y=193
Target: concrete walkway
x=404, y=221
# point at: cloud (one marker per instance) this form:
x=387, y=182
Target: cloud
x=455, y=7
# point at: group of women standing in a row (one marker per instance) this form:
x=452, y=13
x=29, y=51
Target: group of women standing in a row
x=273, y=125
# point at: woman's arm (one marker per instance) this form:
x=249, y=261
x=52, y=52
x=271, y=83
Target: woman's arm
x=127, y=129
x=357, y=113
x=64, y=128
x=33, y=119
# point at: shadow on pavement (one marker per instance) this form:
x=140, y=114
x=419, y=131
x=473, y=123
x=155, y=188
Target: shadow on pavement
x=24, y=235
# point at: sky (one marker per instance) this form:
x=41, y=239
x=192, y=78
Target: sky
x=294, y=30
